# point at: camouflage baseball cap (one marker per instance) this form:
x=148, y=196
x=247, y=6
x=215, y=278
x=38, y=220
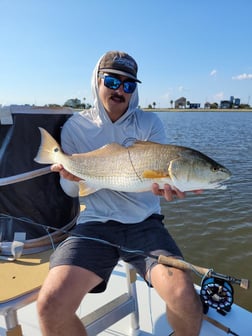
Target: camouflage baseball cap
x=117, y=62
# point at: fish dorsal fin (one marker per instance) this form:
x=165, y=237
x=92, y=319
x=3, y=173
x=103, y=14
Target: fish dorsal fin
x=104, y=151
x=140, y=143
x=147, y=146
x=154, y=174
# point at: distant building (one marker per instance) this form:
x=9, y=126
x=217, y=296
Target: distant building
x=237, y=102
x=207, y=105
x=194, y=105
x=225, y=104
x=180, y=103
x=232, y=103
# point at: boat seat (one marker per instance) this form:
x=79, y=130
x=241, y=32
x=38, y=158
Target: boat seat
x=23, y=278
x=30, y=192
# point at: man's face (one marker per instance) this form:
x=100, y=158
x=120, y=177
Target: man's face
x=115, y=101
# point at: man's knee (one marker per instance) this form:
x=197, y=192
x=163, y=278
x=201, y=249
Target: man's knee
x=47, y=306
x=176, y=287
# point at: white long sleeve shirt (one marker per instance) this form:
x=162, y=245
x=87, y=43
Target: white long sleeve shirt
x=91, y=129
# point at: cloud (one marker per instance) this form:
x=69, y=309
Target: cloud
x=167, y=95
x=219, y=96
x=242, y=76
x=213, y=72
x=182, y=89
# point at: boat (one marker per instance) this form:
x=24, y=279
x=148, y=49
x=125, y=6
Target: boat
x=128, y=306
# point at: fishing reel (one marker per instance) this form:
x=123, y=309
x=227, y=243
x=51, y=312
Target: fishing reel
x=218, y=294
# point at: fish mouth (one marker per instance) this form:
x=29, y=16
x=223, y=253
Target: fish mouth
x=220, y=183
x=226, y=175
x=226, y=172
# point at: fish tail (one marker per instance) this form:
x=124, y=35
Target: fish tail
x=49, y=149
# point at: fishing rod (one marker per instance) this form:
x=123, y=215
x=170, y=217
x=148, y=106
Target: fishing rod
x=24, y=176
x=207, y=272
x=161, y=259
x=219, y=325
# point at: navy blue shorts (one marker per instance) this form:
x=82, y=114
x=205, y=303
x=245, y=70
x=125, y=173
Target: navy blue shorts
x=85, y=248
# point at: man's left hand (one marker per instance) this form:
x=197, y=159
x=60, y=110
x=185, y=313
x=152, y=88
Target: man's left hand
x=169, y=192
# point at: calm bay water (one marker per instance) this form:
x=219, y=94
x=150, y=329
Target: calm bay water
x=214, y=229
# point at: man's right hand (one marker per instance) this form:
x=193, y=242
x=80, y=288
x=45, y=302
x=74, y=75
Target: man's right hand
x=58, y=168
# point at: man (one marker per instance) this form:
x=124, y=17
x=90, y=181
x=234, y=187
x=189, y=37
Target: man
x=128, y=219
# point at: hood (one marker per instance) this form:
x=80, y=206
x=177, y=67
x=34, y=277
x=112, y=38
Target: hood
x=98, y=114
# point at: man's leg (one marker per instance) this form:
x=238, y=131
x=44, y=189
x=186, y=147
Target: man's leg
x=60, y=297
x=184, y=309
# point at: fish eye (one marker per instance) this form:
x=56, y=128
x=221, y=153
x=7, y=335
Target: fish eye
x=56, y=150
x=215, y=169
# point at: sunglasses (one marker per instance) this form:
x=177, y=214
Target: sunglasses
x=114, y=83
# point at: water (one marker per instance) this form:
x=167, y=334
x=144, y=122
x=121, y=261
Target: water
x=214, y=229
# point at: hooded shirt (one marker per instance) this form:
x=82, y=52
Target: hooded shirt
x=91, y=129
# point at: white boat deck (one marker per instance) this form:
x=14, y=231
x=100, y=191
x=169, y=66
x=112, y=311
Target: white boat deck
x=151, y=313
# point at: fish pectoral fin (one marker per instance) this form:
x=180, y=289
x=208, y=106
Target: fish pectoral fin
x=85, y=189
x=153, y=174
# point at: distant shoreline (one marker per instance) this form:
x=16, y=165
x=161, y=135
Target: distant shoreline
x=194, y=110
x=58, y=107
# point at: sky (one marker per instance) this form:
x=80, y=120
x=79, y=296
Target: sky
x=197, y=49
